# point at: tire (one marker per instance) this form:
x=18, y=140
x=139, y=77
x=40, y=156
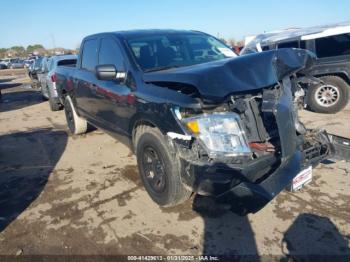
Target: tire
x=42, y=93
x=159, y=169
x=328, y=97
x=76, y=124
x=54, y=106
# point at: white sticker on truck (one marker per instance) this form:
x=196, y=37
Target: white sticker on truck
x=303, y=178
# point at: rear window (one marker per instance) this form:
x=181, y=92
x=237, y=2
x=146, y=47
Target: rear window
x=67, y=62
x=292, y=44
x=37, y=62
x=335, y=45
x=89, y=57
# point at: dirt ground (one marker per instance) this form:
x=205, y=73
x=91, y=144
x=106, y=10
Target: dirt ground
x=64, y=194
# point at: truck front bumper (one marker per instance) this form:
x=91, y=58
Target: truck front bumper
x=249, y=189
x=240, y=188
x=250, y=197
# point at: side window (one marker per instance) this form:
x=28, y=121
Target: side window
x=43, y=65
x=335, y=45
x=292, y=44
x=89, y=57
x=110, y=53
x=51, y=63
x=265, y=48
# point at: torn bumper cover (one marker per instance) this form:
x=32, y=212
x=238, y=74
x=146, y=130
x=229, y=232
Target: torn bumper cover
x=249, y=188
x=251, y=197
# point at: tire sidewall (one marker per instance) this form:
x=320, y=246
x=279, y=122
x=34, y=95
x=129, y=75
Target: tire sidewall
x=68, y=108
x=149, y=139
x=42, y=93
x=343, y=90
x=53, y=105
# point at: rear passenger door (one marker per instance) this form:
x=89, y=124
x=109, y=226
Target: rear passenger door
x=85, y=81
x=113, y=96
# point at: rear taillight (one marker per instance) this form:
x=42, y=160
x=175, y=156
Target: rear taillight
x=53, y=78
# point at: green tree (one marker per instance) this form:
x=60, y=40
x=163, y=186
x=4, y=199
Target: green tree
x=18, y=50
x=31, y=48
x=3, y=52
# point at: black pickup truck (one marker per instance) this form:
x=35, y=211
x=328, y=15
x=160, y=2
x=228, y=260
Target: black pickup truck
x=199, y=119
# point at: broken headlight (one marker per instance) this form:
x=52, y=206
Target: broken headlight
x=221, y=133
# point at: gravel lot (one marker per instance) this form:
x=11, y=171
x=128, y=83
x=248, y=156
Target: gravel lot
x=64, y=194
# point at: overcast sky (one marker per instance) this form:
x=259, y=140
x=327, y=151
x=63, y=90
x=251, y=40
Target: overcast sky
x=64, y=23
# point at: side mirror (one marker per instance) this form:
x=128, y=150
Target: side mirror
x=106, y=72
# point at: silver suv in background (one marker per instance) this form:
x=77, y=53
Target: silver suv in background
x=7, y=62
x=329, y=89
x=47, y=77
x=17, y=63
x=42, y=72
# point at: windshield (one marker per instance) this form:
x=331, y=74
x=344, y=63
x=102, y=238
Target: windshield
x=165, y=51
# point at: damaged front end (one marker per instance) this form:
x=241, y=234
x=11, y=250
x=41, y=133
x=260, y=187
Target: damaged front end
x=246, y=144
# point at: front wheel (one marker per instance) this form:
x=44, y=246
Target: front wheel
x=76, y=124
x=328, y=97
x=158, y=167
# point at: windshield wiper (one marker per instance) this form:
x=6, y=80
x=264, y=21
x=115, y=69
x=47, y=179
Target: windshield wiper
x=160, y=68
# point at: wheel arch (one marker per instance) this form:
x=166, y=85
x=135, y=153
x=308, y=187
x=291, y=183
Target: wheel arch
x=342, y=74
x=137, y=122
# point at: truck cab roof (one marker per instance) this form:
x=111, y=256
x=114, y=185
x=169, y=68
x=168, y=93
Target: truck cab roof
x=127, y=34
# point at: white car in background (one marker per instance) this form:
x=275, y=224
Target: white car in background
x=47, y=77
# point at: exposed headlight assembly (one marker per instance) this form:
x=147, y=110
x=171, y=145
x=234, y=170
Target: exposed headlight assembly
x=221, y=133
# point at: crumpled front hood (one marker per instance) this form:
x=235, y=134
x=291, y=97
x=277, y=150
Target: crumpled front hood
x=216, y=80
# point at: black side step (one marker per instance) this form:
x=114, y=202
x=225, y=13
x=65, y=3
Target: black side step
x=341, y=147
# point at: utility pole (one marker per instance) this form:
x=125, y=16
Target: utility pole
x=53, y=41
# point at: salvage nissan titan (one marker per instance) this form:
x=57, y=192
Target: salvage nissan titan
x=199, y=119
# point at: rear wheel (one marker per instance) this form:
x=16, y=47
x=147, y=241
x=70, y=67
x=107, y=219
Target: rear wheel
x=159, y=168
x=76, y=124
x=41, y=90
x=328, y=97
x=54, y=105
